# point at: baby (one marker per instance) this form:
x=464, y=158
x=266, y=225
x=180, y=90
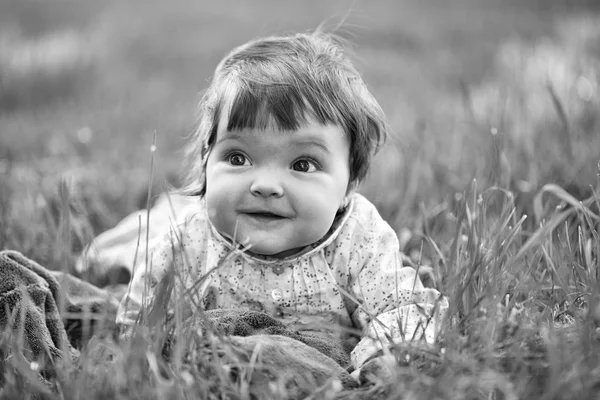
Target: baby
x=287, y=130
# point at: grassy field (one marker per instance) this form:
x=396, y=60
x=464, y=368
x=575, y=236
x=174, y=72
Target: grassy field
x=491, y=174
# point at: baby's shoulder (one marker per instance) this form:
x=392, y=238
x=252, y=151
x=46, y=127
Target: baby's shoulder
x=184, y=219
x=364, y=218
x=363, y=233
x=362, y=229
x=194, y=224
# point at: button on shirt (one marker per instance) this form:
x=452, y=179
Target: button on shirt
x=352, y=275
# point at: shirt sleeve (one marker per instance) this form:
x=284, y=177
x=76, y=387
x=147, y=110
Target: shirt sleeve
x=148, y=278
x=393, y=303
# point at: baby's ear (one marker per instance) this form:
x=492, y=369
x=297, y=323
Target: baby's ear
x=349, y=191
x=351, y=187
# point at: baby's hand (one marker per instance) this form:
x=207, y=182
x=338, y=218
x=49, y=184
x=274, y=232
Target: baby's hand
x=379, y=370
x=426, y=273
x=384, y=368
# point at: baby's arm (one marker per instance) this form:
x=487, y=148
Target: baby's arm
x=145, y=283
x=394, y=302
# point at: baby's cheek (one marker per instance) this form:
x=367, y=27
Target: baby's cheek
x=323, y=209
x=217, y=213
x=213, y=212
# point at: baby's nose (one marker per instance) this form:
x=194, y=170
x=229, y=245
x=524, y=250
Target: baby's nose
x=266, y=184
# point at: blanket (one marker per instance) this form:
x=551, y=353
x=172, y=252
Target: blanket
x=51, y=311
x=54, y=313
x=28, y=306
x=248, y=323
x=287, y=363
x=277, y=361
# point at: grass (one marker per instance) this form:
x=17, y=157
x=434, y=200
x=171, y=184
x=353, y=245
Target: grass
x=490, y=175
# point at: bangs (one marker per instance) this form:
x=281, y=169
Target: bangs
x=262, y=107
x=251, y=104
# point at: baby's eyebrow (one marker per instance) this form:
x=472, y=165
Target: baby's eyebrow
x=311, y=143
x=231, y=136
x=308, y=142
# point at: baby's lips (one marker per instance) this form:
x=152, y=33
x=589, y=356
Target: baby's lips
x=261, y=211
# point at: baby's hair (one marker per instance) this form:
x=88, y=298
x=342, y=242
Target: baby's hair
x=278, y=82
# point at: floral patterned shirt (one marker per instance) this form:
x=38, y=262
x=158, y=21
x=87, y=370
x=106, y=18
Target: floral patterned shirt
x=353, y=277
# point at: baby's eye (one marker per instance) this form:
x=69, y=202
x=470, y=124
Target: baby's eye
x=304, y=166
x=238, y=159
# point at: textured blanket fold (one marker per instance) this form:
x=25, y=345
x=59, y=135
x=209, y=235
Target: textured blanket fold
x=27, y=294
x=294, y=360
x=50, y=310
x=248, y=323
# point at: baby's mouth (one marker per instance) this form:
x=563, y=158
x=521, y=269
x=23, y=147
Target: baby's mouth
x=265, y=215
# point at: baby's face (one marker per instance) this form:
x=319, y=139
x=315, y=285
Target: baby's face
x=277, y=191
